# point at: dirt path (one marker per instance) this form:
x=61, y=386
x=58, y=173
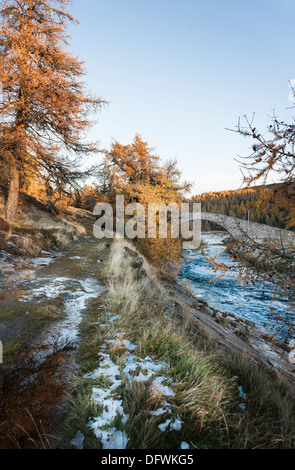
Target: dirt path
x=42, y=303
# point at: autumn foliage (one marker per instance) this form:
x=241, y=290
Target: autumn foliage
x=44, y=111
x=138, y=174
x=258, y=201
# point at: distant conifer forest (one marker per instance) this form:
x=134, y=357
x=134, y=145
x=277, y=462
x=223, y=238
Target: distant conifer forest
x=260, y=201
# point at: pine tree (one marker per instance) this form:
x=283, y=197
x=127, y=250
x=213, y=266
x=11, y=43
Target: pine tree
x=44, y=111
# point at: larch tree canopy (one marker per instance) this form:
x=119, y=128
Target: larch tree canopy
x=136, y=172
x=44, y=111
x=135, y=166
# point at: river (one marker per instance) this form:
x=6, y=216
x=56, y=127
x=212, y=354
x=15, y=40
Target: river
x=254, y=302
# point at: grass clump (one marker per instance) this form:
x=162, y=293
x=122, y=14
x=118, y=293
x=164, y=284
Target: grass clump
x=206, y=382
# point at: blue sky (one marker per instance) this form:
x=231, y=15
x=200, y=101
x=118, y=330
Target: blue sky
x=181, y=71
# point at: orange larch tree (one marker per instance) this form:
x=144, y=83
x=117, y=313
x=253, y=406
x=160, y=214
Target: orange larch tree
x=44, y=109
x=138, y=174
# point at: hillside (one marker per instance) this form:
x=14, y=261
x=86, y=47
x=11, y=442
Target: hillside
x=40, y=227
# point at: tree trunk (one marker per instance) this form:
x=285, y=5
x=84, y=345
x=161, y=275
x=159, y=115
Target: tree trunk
x=12, y=200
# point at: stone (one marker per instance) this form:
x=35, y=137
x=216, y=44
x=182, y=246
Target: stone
x=219, y=316
x=173, y=310
x=138, y=263
x=209, y=311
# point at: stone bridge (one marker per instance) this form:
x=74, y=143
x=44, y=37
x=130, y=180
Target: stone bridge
x=242, y=229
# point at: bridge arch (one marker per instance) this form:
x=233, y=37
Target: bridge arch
x=241, y=229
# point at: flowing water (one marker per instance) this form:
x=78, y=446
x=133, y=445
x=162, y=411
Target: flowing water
x=254, y=302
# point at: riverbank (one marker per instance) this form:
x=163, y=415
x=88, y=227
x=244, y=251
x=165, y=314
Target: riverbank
x=101, y=352
x=159, y=370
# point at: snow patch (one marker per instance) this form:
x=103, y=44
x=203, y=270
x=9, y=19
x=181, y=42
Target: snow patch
x=184, y=445
x=174, y=424
x=112, y=318
x=135, y=369
x=111, y=439
x=78, y=440
x=244, y=398
x=144, y=368
x=111, y=406
x=164, y=389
